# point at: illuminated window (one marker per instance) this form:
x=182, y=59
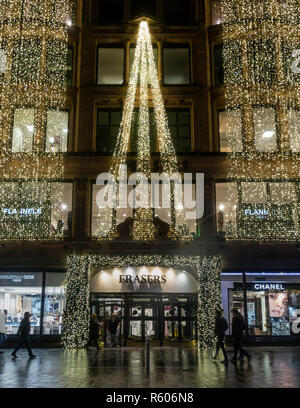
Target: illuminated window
x=294, y=129
x=62, y=208
x=54, y=303
x=110, y=66
x=226, y=205
x=101, y=221
x=181, y=210
x=57, y=131
x=20, y=293
x=23, y=130
x=2, y=62
x=216, y=14
x=230, y=131
x=265, y=132
x=176, y=61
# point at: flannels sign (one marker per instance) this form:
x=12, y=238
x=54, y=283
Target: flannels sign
x=23, y=212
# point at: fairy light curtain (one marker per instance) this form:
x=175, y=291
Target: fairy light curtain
x=262, y=98
x=144, y=71
x=33, y=66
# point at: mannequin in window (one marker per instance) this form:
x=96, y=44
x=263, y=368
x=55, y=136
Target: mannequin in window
x=220, y=217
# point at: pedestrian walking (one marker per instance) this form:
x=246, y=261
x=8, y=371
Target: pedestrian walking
x=105, y=325
x=113, y=326
x=3, y=335
x=94, y=332
x=221, y=326
x=119, y=330
x=24, y=330
x=238, y=328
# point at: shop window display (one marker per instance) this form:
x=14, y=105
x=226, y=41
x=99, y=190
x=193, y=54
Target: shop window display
x=54, y=303
x=270, y=312
x=20, y=293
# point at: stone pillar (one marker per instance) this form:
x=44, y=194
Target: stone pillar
x=208, y=223
x=81, y=208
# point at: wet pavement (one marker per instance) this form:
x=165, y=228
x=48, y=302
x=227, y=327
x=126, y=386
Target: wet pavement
x=277, y=367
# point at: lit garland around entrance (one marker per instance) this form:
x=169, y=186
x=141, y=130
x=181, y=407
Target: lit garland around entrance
x=206, y=270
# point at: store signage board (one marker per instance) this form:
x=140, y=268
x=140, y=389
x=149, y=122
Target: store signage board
x=17, y=216
x=22, y=211
x=271, y=218
x=265, y=286
x=142, y=280
x=20, y=279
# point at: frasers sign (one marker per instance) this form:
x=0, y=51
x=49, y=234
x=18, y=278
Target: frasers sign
x=142, y=279
x=23, y=212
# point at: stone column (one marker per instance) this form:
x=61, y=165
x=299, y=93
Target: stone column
x=208, y=223
x=81, y=208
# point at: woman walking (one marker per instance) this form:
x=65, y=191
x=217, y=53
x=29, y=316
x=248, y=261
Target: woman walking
x=221, y=326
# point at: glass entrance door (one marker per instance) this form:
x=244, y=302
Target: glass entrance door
x=143, y=319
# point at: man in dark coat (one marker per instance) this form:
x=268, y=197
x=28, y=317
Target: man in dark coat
x=221, y=326
x=238, y=327
x=94, y=332
x=24, y=330
x=113, y=326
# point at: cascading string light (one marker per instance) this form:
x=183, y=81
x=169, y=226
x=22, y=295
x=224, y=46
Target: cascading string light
x=145, y=69
x=262, y=101
x=33, y=53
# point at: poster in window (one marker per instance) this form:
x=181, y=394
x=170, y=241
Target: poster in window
x=278, y=304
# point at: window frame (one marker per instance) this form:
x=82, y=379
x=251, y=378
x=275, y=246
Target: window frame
x=117, y=45
x=68, y=135
x=12, y=126
x=176, y=45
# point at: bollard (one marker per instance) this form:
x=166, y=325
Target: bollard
x=147, y=354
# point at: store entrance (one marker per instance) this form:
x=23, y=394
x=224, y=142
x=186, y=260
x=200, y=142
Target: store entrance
x=165, y=319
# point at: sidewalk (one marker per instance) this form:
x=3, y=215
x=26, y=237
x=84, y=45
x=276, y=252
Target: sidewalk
x=170, y=367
